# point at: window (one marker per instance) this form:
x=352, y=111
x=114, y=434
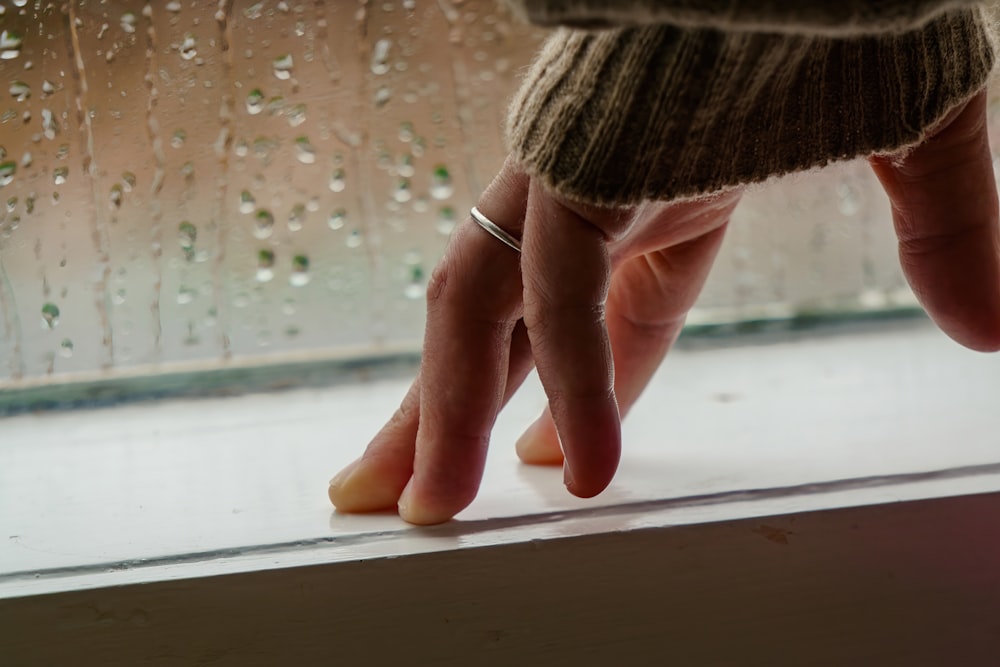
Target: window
x=201, y=198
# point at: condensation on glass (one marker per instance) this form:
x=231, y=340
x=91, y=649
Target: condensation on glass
x=187, y=183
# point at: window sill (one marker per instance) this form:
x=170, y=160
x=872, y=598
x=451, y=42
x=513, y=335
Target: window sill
x=868, y=452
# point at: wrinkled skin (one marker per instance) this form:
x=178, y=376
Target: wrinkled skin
x=598, y=297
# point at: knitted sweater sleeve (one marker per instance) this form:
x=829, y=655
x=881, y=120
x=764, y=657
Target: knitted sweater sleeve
x=838, y=17
x=671, y=110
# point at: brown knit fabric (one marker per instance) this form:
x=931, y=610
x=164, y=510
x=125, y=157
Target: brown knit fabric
x=813, y=17
x=667, y=112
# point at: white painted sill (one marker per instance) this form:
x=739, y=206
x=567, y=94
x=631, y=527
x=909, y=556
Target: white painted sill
x=119, y=525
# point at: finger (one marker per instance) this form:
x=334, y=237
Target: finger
x=649, y=300
x=375, y=481
x=473, y=305
x=378, y=478
x=566, y=278
x=944, y=207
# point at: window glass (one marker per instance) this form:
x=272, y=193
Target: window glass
x=183, y=184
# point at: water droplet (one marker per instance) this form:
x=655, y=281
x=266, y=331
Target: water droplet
x=10, y=45
x=255, y=102
x=354, y=239
x=297, y=217
x=337, y=181
x=415, y=287
x=50, y=128
x=254, y=11
x=265, y=264
x=173, y=6
x=187, y=235
x=304, y=151
x=283, y=66
x=380, y=56
x=382, y=96
x=116, y=195
x=19, y=90
x=262, y=147
x=66, y=348
x=7, y=171
x=405, y=166
x=128, y=22
x=275, y=105
x=337, y=219
x=178, y=139
x=300, y=271
x=50, y=315
x=186, y=294
x=403, y=192
x=48, y=87
x=247, y=202
x=263, y=224
x=188, y=48
x=441, y=186
x=59, y=175
x=446, y=220
x=419, y=146
x=128, y=180
x=296, y=115
x=406, y=132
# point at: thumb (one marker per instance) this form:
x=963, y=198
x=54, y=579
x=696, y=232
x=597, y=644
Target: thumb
x=944, y=208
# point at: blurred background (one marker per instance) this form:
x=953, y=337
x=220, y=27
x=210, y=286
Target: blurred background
x=189, y=185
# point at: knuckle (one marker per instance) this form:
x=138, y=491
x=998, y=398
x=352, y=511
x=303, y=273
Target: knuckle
x=437, y=284
x=923, y=244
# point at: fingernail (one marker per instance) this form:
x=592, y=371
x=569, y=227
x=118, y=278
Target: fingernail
x=340, y=478
x=405, y=500
x=417, y=513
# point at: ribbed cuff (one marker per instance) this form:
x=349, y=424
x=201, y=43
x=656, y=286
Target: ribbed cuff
x=664, y=112
x=831, y=18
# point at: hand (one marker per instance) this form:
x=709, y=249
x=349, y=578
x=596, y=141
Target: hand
x=600, y=297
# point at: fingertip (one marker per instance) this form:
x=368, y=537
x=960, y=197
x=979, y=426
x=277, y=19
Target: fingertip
x=592, y=457
x=422, y=512
x=591, y=486
x=983, y=338
x=360, y=488
x=539, y=445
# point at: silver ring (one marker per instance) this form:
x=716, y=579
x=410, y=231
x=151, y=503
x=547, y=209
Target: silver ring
x=494, y=229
